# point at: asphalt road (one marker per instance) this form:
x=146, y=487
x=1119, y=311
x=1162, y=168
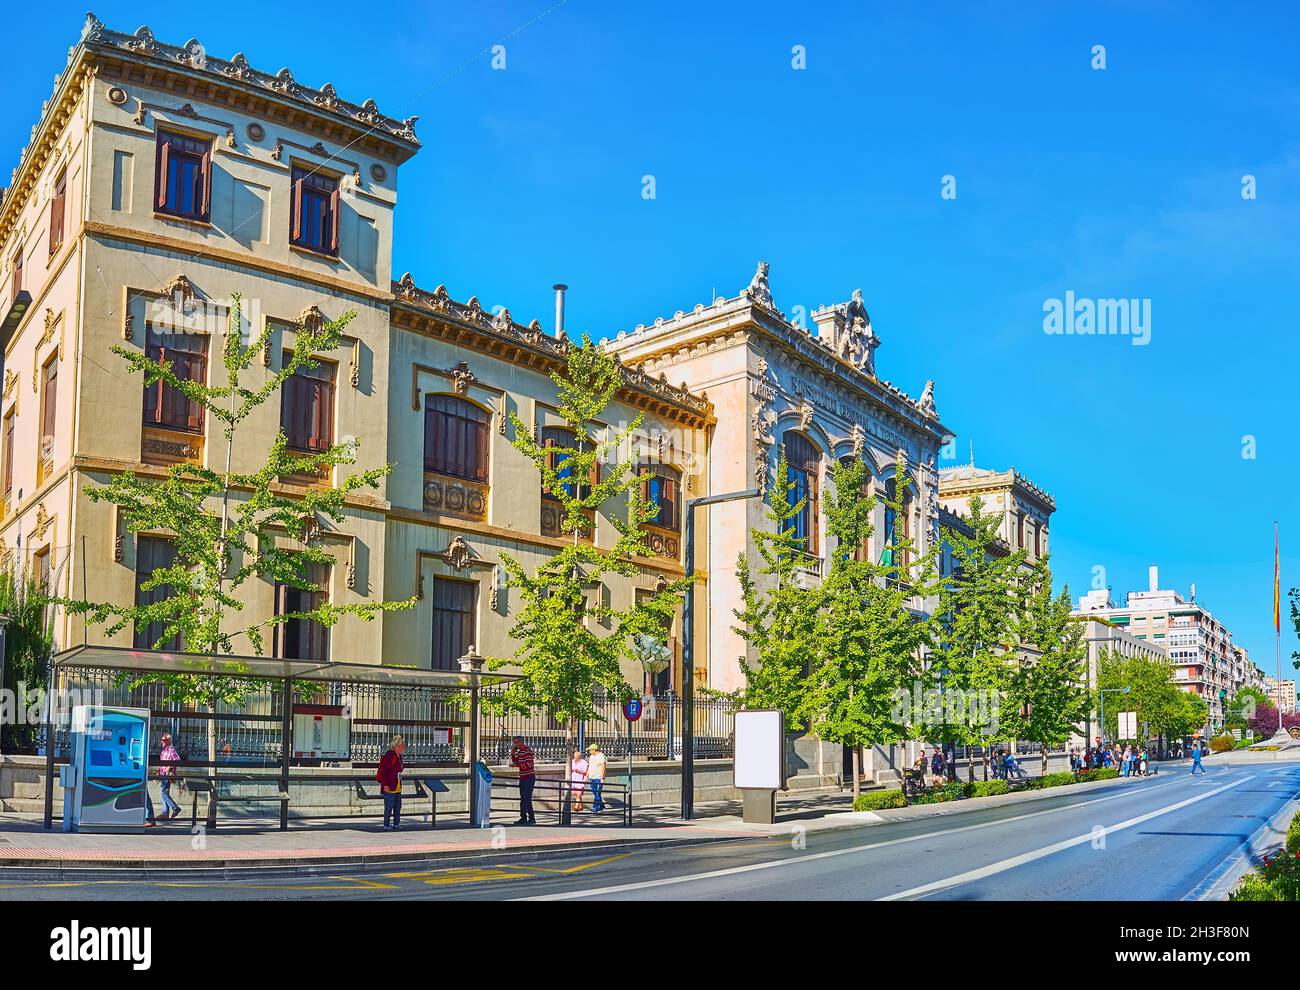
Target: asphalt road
x=1166, y=838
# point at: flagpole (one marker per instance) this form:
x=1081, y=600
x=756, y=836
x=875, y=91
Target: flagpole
x=1277, y=620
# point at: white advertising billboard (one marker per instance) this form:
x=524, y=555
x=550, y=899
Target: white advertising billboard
x=760, y=750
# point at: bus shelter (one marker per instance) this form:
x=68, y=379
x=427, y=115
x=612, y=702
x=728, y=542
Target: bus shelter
x=437, y=712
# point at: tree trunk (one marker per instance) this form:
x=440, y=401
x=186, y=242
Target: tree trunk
x=857, y=771
x=1044, y=760
x=970, y=767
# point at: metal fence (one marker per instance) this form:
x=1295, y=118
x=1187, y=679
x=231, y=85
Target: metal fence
x=433, y=721
x=657, y=735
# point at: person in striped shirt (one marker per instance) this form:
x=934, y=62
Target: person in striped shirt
x=521, y=757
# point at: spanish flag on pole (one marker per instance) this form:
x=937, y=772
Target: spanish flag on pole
x=1277, y=585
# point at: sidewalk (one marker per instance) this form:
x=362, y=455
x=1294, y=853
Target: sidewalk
x=322, y=846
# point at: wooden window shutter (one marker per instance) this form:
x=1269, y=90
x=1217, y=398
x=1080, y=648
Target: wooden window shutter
x=334, y=221
x=164, y=166
x=205, y=179
x=297, y=209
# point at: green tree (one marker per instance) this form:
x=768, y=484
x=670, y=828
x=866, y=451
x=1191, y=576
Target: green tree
x=779, y=614
x=979, y=611
x=571, y=643
x=1153, y=694
x=1241, y=709
x=28, y=645
x=1046, y=699
x=223, y=523
x=870, y=639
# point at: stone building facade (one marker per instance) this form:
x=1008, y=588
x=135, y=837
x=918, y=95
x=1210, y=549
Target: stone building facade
x=159, y=182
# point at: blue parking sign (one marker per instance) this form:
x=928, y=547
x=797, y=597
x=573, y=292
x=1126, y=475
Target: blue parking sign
x=632, y=709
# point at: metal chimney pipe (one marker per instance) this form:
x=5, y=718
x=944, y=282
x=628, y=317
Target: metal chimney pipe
x=560, y=288
x=1153, y=577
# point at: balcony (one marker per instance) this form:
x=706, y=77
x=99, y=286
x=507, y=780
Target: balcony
x=663, y=542
x=445, y=495
x=552, y=522
x=167, y=447
x=808, y=570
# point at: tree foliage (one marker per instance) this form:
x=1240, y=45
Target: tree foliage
x=571, y=641
x=223, y=524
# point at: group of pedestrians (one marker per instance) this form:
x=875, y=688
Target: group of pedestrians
x=1129, y=760
x=587, y=771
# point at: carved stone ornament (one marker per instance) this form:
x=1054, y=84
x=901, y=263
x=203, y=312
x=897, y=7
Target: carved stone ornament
x=312, y=319
x=859, y=439
x=761, y=464
x=462, y=378
x=757, y=289
x=806, y=414
x=458, y=554
x=182, y=291
x=926, y=402
x=502, y=321
x=406, y=288
x=43, y=521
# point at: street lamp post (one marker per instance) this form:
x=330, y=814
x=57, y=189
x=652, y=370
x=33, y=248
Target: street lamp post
x=1102, y=698
x=688, y=648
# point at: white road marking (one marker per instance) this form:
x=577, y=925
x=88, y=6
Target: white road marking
x=1055, y=847
x=773, y=864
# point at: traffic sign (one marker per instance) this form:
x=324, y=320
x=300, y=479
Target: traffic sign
x=632, y=709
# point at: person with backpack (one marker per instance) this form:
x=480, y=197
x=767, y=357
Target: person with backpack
x=389, y=776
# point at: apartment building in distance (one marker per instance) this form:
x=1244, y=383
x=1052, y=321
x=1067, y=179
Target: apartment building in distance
x=1200, y=648
x=1282, y=692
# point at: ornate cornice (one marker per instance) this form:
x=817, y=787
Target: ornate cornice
x=436, y=312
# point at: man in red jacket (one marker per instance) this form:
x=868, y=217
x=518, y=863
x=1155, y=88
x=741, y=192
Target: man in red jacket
x=389, y=776
x=522, y=757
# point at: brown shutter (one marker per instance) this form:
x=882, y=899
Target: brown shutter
x=297, y=209
x=160, y=180
x=205, y=177
x=334, y=220
x=198, y=368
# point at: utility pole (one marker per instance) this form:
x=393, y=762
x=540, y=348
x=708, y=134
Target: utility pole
x=688, y=648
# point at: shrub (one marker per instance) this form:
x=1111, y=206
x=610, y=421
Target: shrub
x=1293, y=836
x=953, y=791
x=1222, y=744
x=1097, y=773
x=880, y=800
x=986, y=788
x=1253, y=888
x=1049, y=780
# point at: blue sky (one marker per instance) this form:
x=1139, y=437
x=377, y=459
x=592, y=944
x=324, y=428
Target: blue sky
x=1124, y=182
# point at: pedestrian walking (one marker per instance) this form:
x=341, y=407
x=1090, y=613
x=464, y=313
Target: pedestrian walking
x=389, y=776
x=578, y=779
x=1196, y=761
x=936, y=765
x=521, y=757
x=596, y=766
x=167, y=760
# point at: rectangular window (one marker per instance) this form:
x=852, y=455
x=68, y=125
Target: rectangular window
x=453, y=621
x=183, y=183
x=17, y=284
x=307, y=408
x=58, y=203
x=9, y=453
x=314, y=211
x=164, y=405
x=303, y=639
x=151, y=553
x=49, y=406
x=42, y=568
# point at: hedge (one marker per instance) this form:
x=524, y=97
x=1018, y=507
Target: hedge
x=986, y=788
x=1293, y=836
x=1096, y=773
x=879, y=800
x=1050, y=780
x=1222, y=744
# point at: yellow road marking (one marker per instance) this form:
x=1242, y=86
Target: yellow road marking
x=439, y=878
x=353, y=883
x=577, y=869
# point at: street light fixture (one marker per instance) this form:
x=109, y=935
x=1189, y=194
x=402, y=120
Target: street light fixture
x=688, y=648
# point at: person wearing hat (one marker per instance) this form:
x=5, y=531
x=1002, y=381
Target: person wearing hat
x=168, y=758
x=596, y=763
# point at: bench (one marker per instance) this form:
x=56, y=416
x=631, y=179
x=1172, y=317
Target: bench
x=207, y=785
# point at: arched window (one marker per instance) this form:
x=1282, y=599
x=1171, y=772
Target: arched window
x=863, y=550
x=803, y=459
x=896, y=529
x=456, y=438
x=662, y=485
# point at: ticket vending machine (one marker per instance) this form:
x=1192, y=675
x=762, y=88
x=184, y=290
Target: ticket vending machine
x=106, y=781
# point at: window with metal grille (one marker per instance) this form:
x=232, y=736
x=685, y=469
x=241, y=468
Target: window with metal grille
x=456, y=437
x=314, y=211
x=164, y=405
x=183, y=180
x=453, y=621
